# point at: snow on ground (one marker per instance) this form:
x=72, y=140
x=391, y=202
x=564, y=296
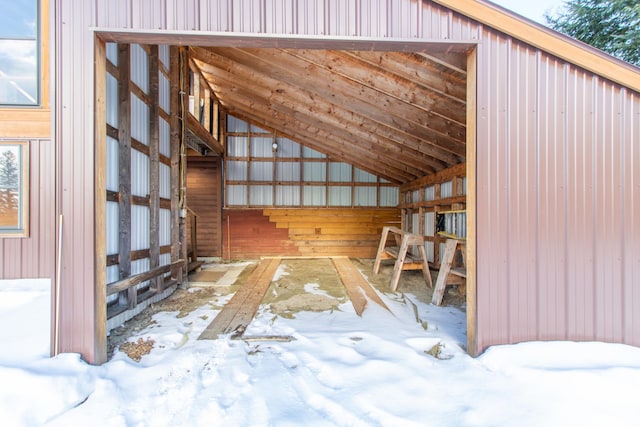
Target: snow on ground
x=341, y=370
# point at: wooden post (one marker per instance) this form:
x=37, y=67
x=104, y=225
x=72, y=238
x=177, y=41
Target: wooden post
x=100, y=201
x=175, y=138
x=128, y=297
x=154, y=167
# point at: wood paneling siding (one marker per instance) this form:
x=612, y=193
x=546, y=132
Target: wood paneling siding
x=204, y=190
x=557, y=217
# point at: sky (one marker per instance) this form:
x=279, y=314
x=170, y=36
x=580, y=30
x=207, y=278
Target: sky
x=532, y=9
x=405, y=368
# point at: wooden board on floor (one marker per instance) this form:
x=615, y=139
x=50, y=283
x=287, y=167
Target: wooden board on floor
x=239, y=311
x=358, y=289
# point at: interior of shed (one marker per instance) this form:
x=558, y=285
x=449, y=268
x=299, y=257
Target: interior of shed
x=250, y=152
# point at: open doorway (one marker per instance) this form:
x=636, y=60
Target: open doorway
x=365, y=139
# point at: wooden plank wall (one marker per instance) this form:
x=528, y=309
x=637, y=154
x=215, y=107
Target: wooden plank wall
x=204, y=198
x=305, y=232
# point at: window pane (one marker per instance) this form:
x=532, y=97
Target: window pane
x=18, y=72
x=18, y=19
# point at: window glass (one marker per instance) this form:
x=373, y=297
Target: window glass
x=19, y=53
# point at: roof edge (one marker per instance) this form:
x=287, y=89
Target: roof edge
x=548, y=40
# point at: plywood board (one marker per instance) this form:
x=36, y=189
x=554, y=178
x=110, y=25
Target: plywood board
x=358, y=289
x=239, y=311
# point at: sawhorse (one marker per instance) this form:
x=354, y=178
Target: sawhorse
x=403, y=262
x=447, y=268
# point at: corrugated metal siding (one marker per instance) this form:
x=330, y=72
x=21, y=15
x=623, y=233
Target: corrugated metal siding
x=558, y=244
x=34, y=256
x=558, y=212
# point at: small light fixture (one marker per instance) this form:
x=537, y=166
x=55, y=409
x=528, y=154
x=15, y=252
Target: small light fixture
x=274, y=147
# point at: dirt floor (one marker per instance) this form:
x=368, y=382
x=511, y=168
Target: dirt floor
x=299, y=285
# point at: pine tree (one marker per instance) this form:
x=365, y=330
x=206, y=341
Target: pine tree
x=9, y=182
x=609, y=25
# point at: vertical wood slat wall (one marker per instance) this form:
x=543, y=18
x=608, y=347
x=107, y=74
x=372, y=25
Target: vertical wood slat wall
x=142, y=220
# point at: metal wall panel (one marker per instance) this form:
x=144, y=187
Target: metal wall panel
x=236, y=195
x=237, y=146
x=139, y=174
x=163, y=56
x=339, y=196
x=314, y=196
x=112, y=220
x=112, y=101
x=288, y=195
x=261, y=195
x=287, y=171
x=165, y=181
x=113, y=177
x=365, y=196
x=34, y=256
x=164, y=137
x=314, y=172
x=139, y=120
x=163, y=92
x=139, y=67
x=287, y=148
x=139, y=229
x=578, y=147
x=112, y=53
x=261, y=171
x=165, y=227
x=362, y=176
x=558, y=214
x=261, y=146
x=389, y=196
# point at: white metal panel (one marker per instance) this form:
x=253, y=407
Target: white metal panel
x=430, y=193
x=164, y=234
x=389, y=196
x=288, y=171
x=428, y=248
x=288, y=195
x=261, y=171
x=165, y=259
x=261, y=146
x=236, y=125
x=113, y=173
x=139, y=174
x=164, y=91
x=314, y=196
x=363, y=176
x=415, y=223
x=163, y=55
x=339, y=172
x=365, y=196
x=139, y=120
x=261, y=195
x=415, y=196
x=139, y=228
x=165, y=181
x=237, y=146
x=314, y=172
x=140, y=67
x=256, y=129
x=309, y=153
x=339, y=196
x=112, y=276
x=464, y=185
x=446, y=189
x=164, y=137
x=236, y=195
x=112, y=232
x=429, y=224
x=112, y=101
x=140, y=266
x=112, y=53
x=288, y=148
x=236, y=171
